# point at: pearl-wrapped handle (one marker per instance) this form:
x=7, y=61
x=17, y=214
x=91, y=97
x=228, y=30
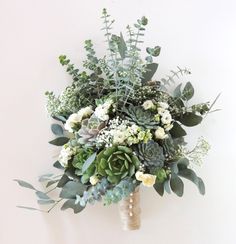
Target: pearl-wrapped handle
x=130, y=211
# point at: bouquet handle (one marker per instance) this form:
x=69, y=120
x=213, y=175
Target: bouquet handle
x=130, y=210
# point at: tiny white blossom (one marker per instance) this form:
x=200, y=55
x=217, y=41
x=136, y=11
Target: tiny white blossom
x=101, y=112
x=65, y=155
x=161, y=111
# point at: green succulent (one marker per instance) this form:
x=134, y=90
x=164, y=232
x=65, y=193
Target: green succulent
x=116, y=163
x=78, y=162
x=89, y=131
x=140, y=117
x=150, y=154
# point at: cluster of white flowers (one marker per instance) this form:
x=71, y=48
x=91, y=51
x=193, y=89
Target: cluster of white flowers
x=120, y=131
x=65, y=155
x=165, y=118
x=101, y=112
x=76, y=118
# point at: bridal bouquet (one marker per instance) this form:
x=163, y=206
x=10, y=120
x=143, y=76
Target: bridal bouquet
x=118, y=128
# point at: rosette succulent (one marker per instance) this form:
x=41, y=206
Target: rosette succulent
x=150, y=154
x=116, y=163
x=78, y=162
x=89, y=131
x=141, y=117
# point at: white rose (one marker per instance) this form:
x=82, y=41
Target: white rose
x=160, y=133
x=85, y=112
x=163, y=105
x=166, y=117
x=161, y=111
x=93, y=180
x=147, y=179
x=168, y=127
x=72, y=120
x=148, y=105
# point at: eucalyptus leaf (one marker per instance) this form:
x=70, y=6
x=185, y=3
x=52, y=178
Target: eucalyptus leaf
x=177, y=185
x=45, y=201
x=177, y=91
x=59, y=141
x=58, y=165
x=190, y=119
x=64, y=179
x=71, y=204
x=122, y=46
x=71, y=189
x=42, y=195
x=167, y=186
x=24, y=184
x=45, y=177
x=188, y=91
x=59, y=118
x=201, y=186
x=159, y=187
x=29, y=208
x=150, y=71
x=51, y=182
x=57, y=129
x=177, y=131
x=88, y=162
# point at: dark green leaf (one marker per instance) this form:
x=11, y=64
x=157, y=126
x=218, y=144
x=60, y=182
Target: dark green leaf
x=60, y=141
x=59, y=118
x=71, y=204
x=188, y=91
x=42, y=195
x=150, y=71
x=45, y=201
x=64, y=179
x=24, y=184
x=190, y=119
x=57, y=129
x=71, y=189
x=182, y=163
x=189, y=174
x=177, y=131
x=58, y=165
x=201, y=186
x=88, y=162
x=159, y=187
x=177, y=185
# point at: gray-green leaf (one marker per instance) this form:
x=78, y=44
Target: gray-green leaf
x=177, y=131
x=150, y=71
x=71, y=189
x=57, y=129
x=188, y=91
x=71, y=204
x=88, y=162
x=177, y=185
x=24, y=184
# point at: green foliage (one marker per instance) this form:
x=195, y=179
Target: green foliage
x=190, y=119
x=151, y=154
x=71, y=189
x=83, y=164
x=25, y=184
x=116, y=163
x=141, y=117
x=77, y=208
x=188, y=91
x=59, y=141
x=177, y=131
x=57, y=129
x=120, y=191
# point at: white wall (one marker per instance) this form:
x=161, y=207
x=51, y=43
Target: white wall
x=197, y=34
